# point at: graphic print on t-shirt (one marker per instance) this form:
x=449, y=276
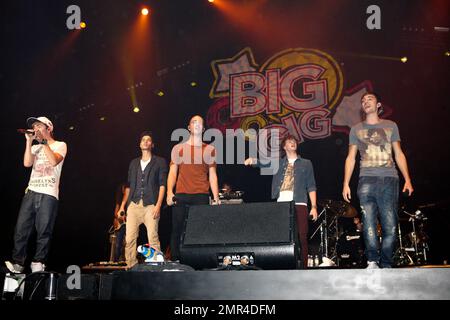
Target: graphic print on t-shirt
x=43, y=174
x=288, y=181
x=376, y=147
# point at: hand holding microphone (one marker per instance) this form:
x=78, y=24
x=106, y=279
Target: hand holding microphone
x=30, y=134
x=27, y=131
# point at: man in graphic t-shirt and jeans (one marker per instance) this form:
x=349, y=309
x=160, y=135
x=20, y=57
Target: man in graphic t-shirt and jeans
x=378, y=187
x=40, y=203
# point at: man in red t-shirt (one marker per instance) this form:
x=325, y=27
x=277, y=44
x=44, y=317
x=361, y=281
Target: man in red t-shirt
x=193, y=172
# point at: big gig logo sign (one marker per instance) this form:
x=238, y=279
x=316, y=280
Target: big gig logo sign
x=298, y=91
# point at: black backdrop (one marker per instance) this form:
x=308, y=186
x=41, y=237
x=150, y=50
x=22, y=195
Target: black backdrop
x=77, y=83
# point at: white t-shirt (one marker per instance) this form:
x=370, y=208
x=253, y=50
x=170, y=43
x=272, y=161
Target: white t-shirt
x=145, y=163
x=287, y=195
x=44, y=177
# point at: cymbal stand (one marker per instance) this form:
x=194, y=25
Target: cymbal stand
x=323, y=233
x=334, y=224
x=403, y=256
x=412, y=218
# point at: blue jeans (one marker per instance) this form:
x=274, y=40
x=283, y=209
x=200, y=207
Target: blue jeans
x=378, y=197
x=38, y=211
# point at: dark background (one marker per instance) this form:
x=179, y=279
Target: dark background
x=77, y=79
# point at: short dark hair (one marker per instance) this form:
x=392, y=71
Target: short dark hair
x=288, y=137
x=145, y=133
x=373, y=93
x=197, y=115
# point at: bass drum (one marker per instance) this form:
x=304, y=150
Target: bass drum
x=350, y=250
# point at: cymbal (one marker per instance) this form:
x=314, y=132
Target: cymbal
x=326, y=202
x=341, y=208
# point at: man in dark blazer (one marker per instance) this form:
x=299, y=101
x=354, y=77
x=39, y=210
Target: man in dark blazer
x=147, y=176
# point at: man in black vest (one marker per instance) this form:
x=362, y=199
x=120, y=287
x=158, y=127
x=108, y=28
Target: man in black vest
x=147, y=176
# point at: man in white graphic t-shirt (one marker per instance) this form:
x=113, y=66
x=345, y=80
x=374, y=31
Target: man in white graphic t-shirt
x=40, y=203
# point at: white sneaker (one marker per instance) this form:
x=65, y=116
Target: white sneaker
x=327, y=262
x=372, y=265
x=37, y=267
x=14, y=267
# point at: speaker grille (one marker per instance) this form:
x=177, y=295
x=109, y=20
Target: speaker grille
x=252, y=223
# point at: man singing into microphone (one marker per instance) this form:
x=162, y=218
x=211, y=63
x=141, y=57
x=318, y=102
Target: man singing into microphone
x=40, y=203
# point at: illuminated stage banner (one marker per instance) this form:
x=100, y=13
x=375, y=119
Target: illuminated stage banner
x=300, y=91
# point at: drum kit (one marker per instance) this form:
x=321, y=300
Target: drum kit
x=413, y=246
x=333, y=221
x=341, y=244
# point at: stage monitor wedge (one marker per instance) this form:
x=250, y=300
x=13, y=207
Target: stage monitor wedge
x=265, y=232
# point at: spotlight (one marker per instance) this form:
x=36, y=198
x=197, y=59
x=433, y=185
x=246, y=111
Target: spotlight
x=404, y=59
x=441, y=29
x=145, y=11
x=102, y=118
x=71, y=128
x=211, y=1
x=82, y=25
x=136, y=109
x=193, y=84
x=447, y=53
x=160, y=93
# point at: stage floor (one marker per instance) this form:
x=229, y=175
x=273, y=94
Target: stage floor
x=412, y=283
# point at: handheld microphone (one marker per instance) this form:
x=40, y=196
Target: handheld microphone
x=27, y=131
x=405, y=194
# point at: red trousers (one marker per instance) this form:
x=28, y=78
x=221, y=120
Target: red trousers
x=301, y=212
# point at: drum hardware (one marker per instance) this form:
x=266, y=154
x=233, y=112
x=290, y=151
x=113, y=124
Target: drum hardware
x=350, y=249
x=339, y=208
x=231, y=197
x=323, y=247
x=420, y=249
x=330, y=229
x=416, y=253
x=334, y=240
x=402, y=256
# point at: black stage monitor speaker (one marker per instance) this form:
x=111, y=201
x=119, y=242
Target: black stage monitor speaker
x=89, y=288
x=259, y=235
